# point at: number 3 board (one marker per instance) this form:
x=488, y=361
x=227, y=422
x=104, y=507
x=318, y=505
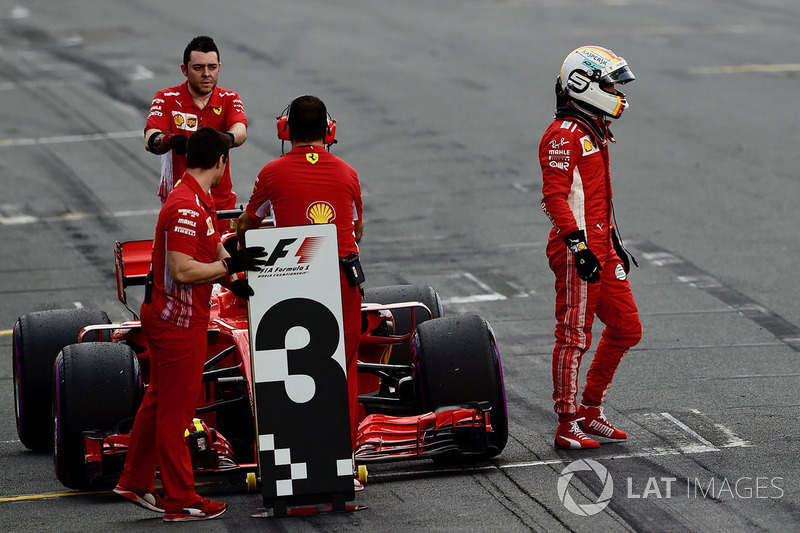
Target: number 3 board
x=298, y=367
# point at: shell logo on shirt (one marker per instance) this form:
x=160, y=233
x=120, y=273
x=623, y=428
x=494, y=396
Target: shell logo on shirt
x=184, y=121
x=588, y=146
x=320, y=213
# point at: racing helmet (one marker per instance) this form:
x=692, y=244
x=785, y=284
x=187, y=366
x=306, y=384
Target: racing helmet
x=584, y=72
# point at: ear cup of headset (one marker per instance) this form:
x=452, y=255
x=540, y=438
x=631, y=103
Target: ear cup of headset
x=283, y=127
x=330, y=132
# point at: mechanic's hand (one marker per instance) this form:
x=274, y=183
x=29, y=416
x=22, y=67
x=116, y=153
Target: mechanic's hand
x=621, y=252
x=175, y=141
x=245, y=259
x=242, y=289
x=586, y=262
x=231, y=244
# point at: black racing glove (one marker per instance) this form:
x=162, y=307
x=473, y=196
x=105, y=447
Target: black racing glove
x=231, y=244
x=245, y=259
x=621, y=252
x=175, y=141
x=242, y=289
x=586, y=262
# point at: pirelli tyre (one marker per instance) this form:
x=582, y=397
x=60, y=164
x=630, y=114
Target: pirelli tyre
x=457, y=362
x=37, y=339
x=96, y=386
x=403, y=324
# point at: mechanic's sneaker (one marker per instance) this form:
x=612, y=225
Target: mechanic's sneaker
x=569, y=436
x=149, y=500
x=204, y=509
x=357, y=485
x=595, y=423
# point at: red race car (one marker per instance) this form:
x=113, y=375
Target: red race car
x=429, y=385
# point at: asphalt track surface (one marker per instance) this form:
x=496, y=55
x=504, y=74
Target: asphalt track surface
x=440, y=106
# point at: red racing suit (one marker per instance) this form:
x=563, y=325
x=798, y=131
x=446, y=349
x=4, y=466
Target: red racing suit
x=309, y=185
x=175, y=327
x=576, y=189
x=173, y=111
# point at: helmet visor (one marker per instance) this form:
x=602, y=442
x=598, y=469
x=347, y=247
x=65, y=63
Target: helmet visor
x=620, y=75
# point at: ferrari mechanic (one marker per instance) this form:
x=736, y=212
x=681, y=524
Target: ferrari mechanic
x=309, y=185
x=178, y=111
x=588, y=259
x=187, y=258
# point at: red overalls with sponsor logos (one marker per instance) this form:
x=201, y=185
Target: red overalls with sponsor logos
x=576, y=188
x=309, y=185
x=173, y=111
x=175, y=327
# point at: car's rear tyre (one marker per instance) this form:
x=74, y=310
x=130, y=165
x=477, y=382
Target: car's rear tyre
x=458, y=362
x=37, y=339
x=95, y=386
x=403, y=323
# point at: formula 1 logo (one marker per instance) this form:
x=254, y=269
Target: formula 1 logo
x=585, y=509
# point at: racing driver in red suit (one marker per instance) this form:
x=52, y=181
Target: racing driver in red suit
x=588, y=259
x=177, y=112
x=309, y=185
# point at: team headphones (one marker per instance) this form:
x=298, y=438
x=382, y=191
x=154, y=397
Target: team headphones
x=283, y=127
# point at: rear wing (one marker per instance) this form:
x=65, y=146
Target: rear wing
x=132, y=263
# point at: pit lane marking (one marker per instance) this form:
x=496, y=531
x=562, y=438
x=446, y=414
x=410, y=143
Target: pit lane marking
x=49, y=495
x=29, y=141
x=686, y=272
x=743, y=69
x=66, y=217
x=25, y=497
x=649, y=452
x=489, y=295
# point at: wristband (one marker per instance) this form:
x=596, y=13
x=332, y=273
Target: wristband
x=151, y=141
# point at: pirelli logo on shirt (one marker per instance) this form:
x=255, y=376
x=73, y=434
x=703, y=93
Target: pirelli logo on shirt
x=185, y=224
x=184, y=121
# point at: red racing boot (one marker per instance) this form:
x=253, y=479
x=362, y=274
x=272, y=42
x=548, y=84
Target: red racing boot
x=569, y=436
x=594, y=422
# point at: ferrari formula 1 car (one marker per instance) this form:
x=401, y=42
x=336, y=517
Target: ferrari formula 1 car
x=429, y=385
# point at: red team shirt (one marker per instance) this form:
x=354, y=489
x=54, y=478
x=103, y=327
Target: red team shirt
x=174, y=111
x=186, y=225
x=309, y=185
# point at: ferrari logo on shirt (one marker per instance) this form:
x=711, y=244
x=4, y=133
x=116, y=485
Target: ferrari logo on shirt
x=320, y=212
x=217, y=110
x=312, y=158
x=210, y=225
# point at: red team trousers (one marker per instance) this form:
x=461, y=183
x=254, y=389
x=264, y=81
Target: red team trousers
x=351, y=315
x=157, y=439
x=577, y=303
